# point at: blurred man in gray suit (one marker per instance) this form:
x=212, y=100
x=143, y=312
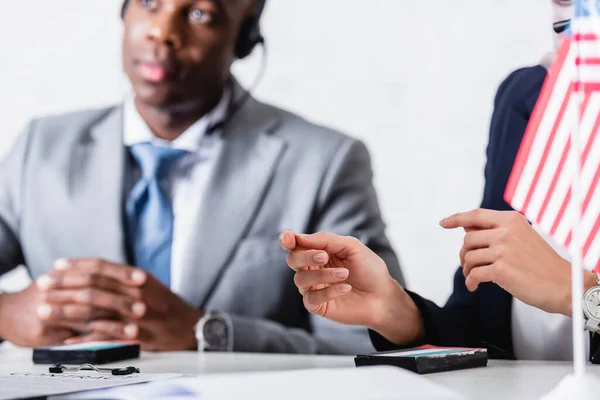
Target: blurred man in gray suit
x=191, y=182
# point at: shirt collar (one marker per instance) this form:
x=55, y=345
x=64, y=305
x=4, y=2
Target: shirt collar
x=135, y=129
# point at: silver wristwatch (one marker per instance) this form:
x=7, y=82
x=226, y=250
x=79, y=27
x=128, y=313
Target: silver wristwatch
x=591, y=307
x=214, y=332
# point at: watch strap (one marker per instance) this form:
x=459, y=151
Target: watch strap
x=591, y=325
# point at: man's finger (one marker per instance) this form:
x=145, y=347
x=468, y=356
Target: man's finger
x=117, y=329
x=53, y=335
x=307, y=279
x=73, y=312
x=75, y=326
x=95, y=298
x=306, y=258
x=478, y=258
x=122, y=273
x=90, y=337
x=478, y=276
x=476, y=219
x=318, y=297
x=77, y=278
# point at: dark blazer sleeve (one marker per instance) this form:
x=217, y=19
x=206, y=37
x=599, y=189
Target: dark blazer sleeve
x=455, y=324
x=482, y=318
x=465, y=321
x=513, y=106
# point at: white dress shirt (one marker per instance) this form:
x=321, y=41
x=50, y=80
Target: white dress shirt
x=538, y=335
x=188, y=177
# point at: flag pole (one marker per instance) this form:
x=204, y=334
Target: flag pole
x=577, y=262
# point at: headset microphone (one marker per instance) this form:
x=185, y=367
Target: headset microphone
x=249, y=37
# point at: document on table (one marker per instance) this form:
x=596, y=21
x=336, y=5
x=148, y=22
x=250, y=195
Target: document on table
x=26, y=385
x=363, y=383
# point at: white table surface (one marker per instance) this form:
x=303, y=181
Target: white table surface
x=499, y=380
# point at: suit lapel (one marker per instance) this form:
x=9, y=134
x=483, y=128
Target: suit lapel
x=96, y=190
x=243, y=170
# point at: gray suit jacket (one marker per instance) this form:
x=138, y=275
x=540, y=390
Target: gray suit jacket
x=61, y=195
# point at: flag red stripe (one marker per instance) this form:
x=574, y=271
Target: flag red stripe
x=536, y=117
x=569, y=238
x=585, y=37
x=591, y=190
x=591, y=237
x=561, y=212
x=542, y=164
x=586, y=100
x=587, y=61
x=590, y=142
x=555, y=178
x=584, y=156
x=586, y=86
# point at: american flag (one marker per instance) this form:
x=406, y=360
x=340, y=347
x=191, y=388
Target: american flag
x=540, y=183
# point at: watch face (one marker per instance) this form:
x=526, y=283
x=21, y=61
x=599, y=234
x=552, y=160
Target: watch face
x=215, y=334
x=592, y=303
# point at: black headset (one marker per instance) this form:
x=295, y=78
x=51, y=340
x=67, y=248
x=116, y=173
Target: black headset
x=250, y=35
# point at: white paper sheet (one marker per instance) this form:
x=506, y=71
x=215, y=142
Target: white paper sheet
x=363, y=383
x=20, y=385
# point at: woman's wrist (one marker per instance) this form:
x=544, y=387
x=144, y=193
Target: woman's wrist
x=590, y=279
x=399, y=319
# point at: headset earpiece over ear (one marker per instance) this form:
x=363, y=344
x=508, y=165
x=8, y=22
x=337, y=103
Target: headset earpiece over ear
x=249, y=37
x=250, y=34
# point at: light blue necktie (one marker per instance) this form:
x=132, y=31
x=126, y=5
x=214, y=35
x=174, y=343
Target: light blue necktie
x=149, y=211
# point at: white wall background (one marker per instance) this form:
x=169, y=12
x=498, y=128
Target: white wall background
x=413, y=79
